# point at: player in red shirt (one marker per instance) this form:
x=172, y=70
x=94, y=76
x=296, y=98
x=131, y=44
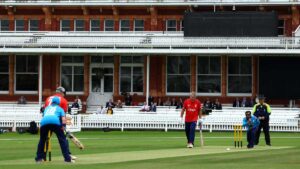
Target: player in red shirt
x=192, y=109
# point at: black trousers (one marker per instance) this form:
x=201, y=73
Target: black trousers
x=266, y=128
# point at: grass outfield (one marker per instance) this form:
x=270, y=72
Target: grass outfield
x=154, y=149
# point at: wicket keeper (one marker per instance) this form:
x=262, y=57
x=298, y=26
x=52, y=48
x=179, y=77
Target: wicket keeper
x=192, y=109
x=53, y=120
x=251, y=123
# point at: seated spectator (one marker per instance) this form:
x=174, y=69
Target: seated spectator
x=110, y=103
x=217, y=105
x=79, y=102
x=153, y=107
x=109, y=110
x=145, y=107
x=167, y=102
x=150, y=100
x=159, y=102
x=236, y=103
x=252, y=102
x=75, y=104
x=128, y=99
x=244, y=102
x=174, y=102
x=101, y=110
x=119, y=104
x=207, y=106
x=180, y=104
x=22, y=100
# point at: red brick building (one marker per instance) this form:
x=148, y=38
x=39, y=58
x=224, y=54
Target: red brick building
x=105, y=48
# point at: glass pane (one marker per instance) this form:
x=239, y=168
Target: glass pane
x=125, y=71
x=4, y=25
x=203, y=65
x=108, y=71
x=65, y=25
x=233, y=65
x=172, y=65
x=138, y=71
x=109, y=25
x=67, y=70
x=4, y=82
x=108, y=59
x=240, y=84
x=184, y=65
x=137, y=59
x=108, y=83
x=96, y=59
x=125, y=25
x=178, y=84
x=125, y=84
x=26, y=82
x=209, y=84
x=21, y=63
x=20, y=25
x=78, y=83
x=33, y=63
x=4, y=63
x=77, y=59
x=96, y=84
x=66, y=59
x=246, y=66
x=138, y=84
x=126, y=59
x=95, y=25
x=66, y=81
x=34, y=25
x=78, y=70
x=215, y=65
x=79, y=25
x=139, y=25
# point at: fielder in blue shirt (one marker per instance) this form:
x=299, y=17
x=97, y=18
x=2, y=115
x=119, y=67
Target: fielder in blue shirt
x=251, y=123
x=53, y=120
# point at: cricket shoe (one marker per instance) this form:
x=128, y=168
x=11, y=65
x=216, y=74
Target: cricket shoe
x=73, y=157
x=72, y=161
x=190, y=145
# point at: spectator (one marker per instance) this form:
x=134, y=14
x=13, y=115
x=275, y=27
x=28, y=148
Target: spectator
x=180, y=104
x=252, y=102
x=128, y=99
x=109, y=110
x=79, y=102
x=119, y=104
x=101, y=110
x=207, y=106
x=145, y=107
x=244, y=102
x=150, y=100
x=217, y=105
x=110, y=103
x=153, y=107
x=167, y=102
x=236, y=103
x=159, y=102
x=22, y=100
x=174, y=102
x=75, y=104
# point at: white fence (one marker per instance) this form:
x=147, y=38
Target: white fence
x=285, y=120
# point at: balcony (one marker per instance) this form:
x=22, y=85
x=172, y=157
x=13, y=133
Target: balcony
x=142, y=43
x=145, y=2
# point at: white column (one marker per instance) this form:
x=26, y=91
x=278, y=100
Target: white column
x=40, y=80
x=148, y=81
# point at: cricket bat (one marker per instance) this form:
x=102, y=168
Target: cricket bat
x=201, y=136
x=75, y=141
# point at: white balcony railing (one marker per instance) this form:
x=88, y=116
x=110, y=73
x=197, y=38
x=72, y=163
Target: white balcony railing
x=146, y=2
x=141, y=40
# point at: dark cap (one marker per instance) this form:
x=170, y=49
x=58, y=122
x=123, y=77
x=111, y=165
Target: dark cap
x=61, y=90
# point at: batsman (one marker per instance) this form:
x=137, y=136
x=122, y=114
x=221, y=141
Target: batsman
x=192, y=109
x=53, y=120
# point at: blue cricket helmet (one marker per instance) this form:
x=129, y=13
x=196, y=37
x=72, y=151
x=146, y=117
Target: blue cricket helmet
x=55, y=100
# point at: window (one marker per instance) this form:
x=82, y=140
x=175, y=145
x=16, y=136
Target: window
x=95, y=25
x=79, y=25
x=72, y=73
x=178, y=74
x=109, y=25
x=20, y=25
x=102, y=59
x=132, y=74
x=26, y=73
x=239, y=75
x=281, y=30
x=124, y=25
x=4, y=73
x=138, y=25
x=65, y=25
x=33, y=25
x=181, y=25
x=171, y=25
x=4, y=25
x=209, y=74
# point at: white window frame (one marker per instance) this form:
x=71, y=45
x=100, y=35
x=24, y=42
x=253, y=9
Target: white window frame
x=166, y=87
x=29, y=24
x=171, y=27
x=16, y=25
x=15, y=77
x=120, y=25
x=134, y=25
x=71, y=64
x=93, y=27
x=60, y=28
x=227, y=79
x=113, y=28
x=4, y=73
x=208, y=94
x=131, y=65
x=75, y=25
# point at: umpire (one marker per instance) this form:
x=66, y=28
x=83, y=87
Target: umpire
x=262, y=111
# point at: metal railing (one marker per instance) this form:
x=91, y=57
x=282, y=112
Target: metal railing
x=145, y=2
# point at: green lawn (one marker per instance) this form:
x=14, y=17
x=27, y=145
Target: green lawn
x=154, y=149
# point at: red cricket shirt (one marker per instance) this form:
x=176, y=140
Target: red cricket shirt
x=192, y=109
x=63, y=102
